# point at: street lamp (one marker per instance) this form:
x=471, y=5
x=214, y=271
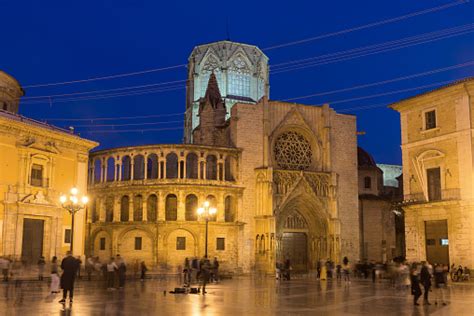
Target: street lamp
x=73, y=204
x=207, y=212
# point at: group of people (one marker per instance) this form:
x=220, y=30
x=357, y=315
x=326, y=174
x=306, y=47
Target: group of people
x=425, y=274
x=201, y=271
x=283, y=270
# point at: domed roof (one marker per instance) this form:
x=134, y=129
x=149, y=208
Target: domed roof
x=364, y=159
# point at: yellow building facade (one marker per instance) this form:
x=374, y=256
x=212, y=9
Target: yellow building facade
x=38, y=163
x=438, y=180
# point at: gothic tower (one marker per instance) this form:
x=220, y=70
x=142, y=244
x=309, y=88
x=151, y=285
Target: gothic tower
x=241, y=73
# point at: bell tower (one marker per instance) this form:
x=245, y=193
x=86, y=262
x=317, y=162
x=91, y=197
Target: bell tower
x=10, y=93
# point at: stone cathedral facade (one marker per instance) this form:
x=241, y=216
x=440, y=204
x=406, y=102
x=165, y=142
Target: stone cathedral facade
x=283, y=177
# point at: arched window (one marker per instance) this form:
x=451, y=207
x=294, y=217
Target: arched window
x=138, y=208
x=262, y=244
x=367, y=182
x=152, y=208
x=110, y=169
x=109, y=209
x=138, y=167
x=192, y=166
x=229, y=209
x=171, y=166
x=97, y=170
x=124, y=208
x=229, y=168
x=93, y=209
x=152, y=166
x=126, y=165
x=257, y=244
x=212, y=203
x=211, y=168
x=191, y=207
x=171, y=207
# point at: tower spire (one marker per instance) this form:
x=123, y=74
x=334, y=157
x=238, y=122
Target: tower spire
x=213, y=95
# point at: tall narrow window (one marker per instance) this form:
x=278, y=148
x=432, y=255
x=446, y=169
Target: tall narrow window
x=138, y=208
x=138, y=243
x=124, y=208
x=67, y=236
x=191, y=207
x=367, y=182
x=434, y=184
x=36, y=175
x=102, y=243
x=430, y=119
x=220, y=243
x=151, y=208
x=180, y=243
x=109, y=209
x=229, y=209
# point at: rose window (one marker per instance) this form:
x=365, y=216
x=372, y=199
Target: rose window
x=292, y=151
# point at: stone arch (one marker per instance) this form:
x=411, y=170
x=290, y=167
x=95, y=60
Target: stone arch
x=176, y=256
x=110, y=169
x=192, y=166
x=124, y=208
x=152, y=208
x=171, y=166
x=171, y=207
x=152, y=166
x=211, y=167
x=127, y=245
x=138, y=167
x=126, y=168
x=191, y=207
x=97, y=242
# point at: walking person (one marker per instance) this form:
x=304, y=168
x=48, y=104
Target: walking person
x=89, y=267
x=122, y=270
x=69, y=265
x=143, y=270
x=215, y=270
x=425, y=278
x=440, y=279
x=415, y=285
x=205, y=274
x=187, y=272
x=54, y=276
x=5, y=266
x=111, y=268
x=346, y=270
x=41, y=263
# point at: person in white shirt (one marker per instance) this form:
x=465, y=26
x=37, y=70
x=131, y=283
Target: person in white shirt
x=111, y=269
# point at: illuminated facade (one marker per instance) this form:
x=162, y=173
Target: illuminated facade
x=438, y=175
x=282, y=176
x=38, y=162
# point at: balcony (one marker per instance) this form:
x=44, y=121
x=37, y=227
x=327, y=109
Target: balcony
x=446, y=195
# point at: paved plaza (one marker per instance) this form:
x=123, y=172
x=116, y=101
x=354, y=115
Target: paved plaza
x=240, y=296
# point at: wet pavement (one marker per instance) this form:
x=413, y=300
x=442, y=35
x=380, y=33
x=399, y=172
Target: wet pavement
x=240, y=296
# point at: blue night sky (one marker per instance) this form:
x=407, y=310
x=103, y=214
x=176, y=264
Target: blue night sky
x=56, y=41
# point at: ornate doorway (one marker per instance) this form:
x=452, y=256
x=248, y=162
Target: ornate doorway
x=32, y=245
x=295, y=248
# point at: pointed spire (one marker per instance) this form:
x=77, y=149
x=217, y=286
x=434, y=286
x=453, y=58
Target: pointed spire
x=213, y=95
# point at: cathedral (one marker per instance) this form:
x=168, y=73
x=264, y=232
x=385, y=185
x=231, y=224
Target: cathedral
x=282, y=176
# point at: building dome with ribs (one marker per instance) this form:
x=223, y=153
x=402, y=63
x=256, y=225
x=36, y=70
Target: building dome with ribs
x=364, y=159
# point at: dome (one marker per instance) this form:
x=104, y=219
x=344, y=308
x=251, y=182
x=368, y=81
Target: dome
x=364, y=159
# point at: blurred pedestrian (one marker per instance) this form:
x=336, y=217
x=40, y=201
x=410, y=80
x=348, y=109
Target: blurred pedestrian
x=215, y=270
x=69, y=265
x=440, y=279
x=5, y=267
x=41, y=263
x=425, y=278
x=111, y=270
x=143, y=269
x=415, y=285
x=54, y=275
x=122, y=270
x=205, y=274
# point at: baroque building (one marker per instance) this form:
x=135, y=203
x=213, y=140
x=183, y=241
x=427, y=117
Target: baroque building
x=437, y=153
x=283, y=177
x=38, y=162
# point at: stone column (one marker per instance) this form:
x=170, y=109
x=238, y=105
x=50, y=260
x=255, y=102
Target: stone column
x=161, y=206
x=116, y=208
x=119, y=176
x=105, y=171
x=132, y=168
x=130, y=208
x=220, y=208
x=144, y=208
x=181, y=206
x=145, y=171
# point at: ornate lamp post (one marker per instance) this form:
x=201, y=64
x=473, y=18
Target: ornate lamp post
x=207, y=212
x=73, y=204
